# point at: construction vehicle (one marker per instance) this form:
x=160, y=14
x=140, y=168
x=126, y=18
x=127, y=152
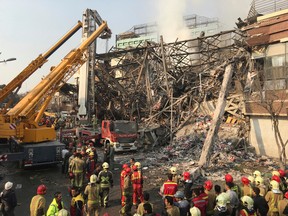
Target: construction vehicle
x=29, y=142
x=120, y=134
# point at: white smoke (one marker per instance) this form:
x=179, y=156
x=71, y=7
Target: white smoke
x=170, y=20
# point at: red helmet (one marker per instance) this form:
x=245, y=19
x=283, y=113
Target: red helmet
x=134, y=167
x=282, y=172
x=128, y=170
x=41, y=190
x=124, y=166
x=286, y=195
x=208, y=185
x=276, y=178
x=91, y=144
x=245, y=180
x=186, y=176
x=228, y=178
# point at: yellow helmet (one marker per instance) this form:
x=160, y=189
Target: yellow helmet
x=251, y=179
x=222, y=199
x=93, y=178
x=173, y=170
x=138, y=165
x=88, y=151
x=194, y=211
x=247, y=201
x=275, y=173
x=259, y=180
x=91, y=154
x=274, y=185
x=256, y=173
x=105, y=165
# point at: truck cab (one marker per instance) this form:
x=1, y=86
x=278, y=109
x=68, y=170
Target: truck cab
x=120, y=134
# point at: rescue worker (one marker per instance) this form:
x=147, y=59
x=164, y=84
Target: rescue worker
x=260, y=205
x=247, y=206
x=56, y=205
x=169, y=187
x=273, y=197
x=194, y=211
x=181, y=203
x=211, y=197
x=256, y=174
x=252, y=181
x=8, y=200
x=38, y=202
x=221, y=205
x=259, y=182
x=105, y=179
x=140, y=209
x=199, y=201
x=234, y=187
x=188, y=183
x=66, y=158
x=127, y=193
x=132, y=162
x=122, y=176
x=282, y=204
x=283, y=180
x=77, y=203
x=92, y=194
x=137, y=182
x=98, y=169
x=246, y=189
x=78, y=168
x=90, y=165
x=175, y=177
x=233, y=198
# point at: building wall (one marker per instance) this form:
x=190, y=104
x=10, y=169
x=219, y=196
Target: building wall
x=262, y=135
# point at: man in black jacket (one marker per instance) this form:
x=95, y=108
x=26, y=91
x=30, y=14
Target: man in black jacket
x=260, y=204
x=8, y=200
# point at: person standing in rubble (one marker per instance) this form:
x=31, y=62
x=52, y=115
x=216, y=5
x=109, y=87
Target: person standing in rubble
x=92, y=194
x=8, y=200
x=273, y=197
x=127, y=194
x=169, y=188
x=247, y=206
x=122, y=177
x=246, y=188
x=188, y=183
x=175, y=177
x=78, y=169
x=137, y=183
x=211, y=197
x=259, y=182
x=38, y=202
x=233, y=198
x=105, y=179
x=234, y=187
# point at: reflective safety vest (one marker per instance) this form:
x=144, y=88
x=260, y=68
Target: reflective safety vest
x=106, y=178
x=122, y=176
x=74, y=204
x=169, y=188
x=37, y=205
x=78, y=166
x=136, y=177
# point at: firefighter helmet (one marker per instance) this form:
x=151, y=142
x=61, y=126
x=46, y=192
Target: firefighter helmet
x=208, y=185
x=274, y=185
x=105, y=165
x=247, y=201
x=281, y=172
x=222, y=199
x=228, y=178
x=179, y=194
x=194, y=211
x=88, y=151
x=286, y=195
x=173, y=170
x=41, y=190
x=91, y=154
x=259, y=180
x=93, y=178
x=256, y=173
x=134, y=167
x=127, y=171
x=275, y=173
x=245, y=180
x=138, y=164
x=276, y=178
x=124, y=166
x=186, y=176
x=251, y=179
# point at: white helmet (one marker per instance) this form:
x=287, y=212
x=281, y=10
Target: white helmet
x=173, y=170
x=222, y=199
x=247, y=201
x=251, y=179
x=194, y=211
x=259, y=180
x=105, y=165
x=93, y=178
x=138, y=165
x=256, y=173
x=275, y=173
x=274, y=185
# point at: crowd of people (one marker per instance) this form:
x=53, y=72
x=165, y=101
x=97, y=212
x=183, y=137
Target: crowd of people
x=92, y=180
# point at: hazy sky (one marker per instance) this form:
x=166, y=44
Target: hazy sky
x=31, y=27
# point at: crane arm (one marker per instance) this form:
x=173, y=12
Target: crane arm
x=35, y=64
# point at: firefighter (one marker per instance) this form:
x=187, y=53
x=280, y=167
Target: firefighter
x=90, y=165
x=169, y=188
x=246, y=188
x=173, y=171
x=211, y=197
x=138, y=165
x=234, y=187
x=105, y=179
x=92, y=194
x=77, y=168
x=137, y=183
x=256, y=174
x=188, y=183
x=282, y=204
x=283, y=184
x=273, y=197
x=247, y=206
x=77, y=203
x=122, y=176
x=56, y=205
x=127, y=193
x=38, y=202
x=259, y=182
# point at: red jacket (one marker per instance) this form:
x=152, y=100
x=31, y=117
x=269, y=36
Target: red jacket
x=137, y=178
x=169, y=188
x=200, y=203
